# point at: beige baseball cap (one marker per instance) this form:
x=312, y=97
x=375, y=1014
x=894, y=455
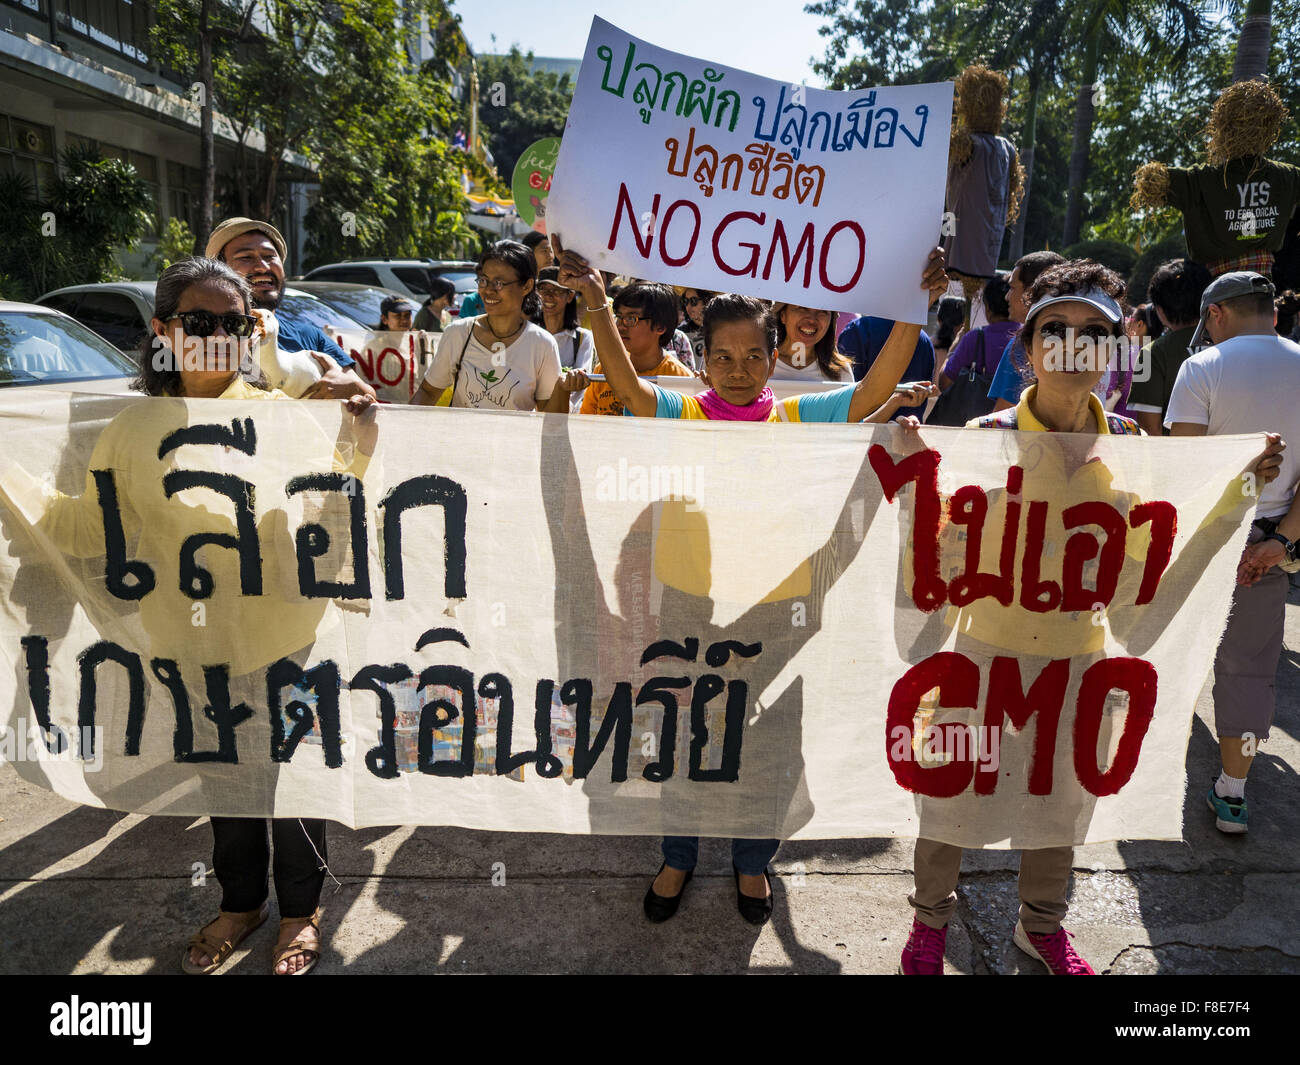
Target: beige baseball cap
x=231, y=228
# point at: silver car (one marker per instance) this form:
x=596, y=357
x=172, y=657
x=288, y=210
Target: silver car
x=41, y=346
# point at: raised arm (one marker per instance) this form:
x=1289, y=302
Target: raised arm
x=885, y=373
x=635, y=394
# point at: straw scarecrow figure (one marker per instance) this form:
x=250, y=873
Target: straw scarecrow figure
x=1237, y=204
x=985, y=178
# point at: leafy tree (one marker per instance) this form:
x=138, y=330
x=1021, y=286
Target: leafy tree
x=518, y=105
x=390, y=184
x=93, y=207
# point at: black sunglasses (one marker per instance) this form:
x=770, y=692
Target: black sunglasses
x=204, y=323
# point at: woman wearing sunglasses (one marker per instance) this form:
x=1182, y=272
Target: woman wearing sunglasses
x=498, y=360
x=201, y=331
x=1074, y=324
x=199, y=349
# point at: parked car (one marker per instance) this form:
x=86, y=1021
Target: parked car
x=410, y=277
x=120, y=311
x=361, y=302
x=41, y=346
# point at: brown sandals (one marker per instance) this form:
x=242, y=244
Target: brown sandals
x=298, y=946
x=218, y=950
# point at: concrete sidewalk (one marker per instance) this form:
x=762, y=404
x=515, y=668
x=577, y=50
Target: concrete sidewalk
x=93, y=891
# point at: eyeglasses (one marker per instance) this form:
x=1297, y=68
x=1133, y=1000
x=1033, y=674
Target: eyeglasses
x=204, y=323
x=494, y=286
x=629, y=321
x=692, y=301
x=1060, y=331
x=551, y=292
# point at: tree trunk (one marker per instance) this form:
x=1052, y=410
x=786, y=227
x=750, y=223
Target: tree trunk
x=1084, y=114
x=1252, y=46
x=207, y=146
x=1026, y=148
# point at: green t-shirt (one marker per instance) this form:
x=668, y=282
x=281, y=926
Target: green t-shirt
x=1165, y=355
x=1224, y=205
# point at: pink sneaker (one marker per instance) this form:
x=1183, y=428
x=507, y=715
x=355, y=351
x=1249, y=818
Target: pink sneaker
x=923, y=955
x=1054, y=950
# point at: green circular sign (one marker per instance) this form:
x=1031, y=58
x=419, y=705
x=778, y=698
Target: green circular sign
x=531, y=182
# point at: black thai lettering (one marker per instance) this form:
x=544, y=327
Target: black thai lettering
x=720, y=653
x=547, y=765
x=89, y=662
x=242, y=436
x=312, y=540
x=426, y=491
x=439, y=636
x=661, y=690
x=617, y=722
x=324, y=682
x=125, y=578
x=686, y=650
x=706, y=689
x=381, y=760
x=169, y=674
x=36, y=654
x=195, y=581
x=440, y=712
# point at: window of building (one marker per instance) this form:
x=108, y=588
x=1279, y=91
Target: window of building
x=28, y=149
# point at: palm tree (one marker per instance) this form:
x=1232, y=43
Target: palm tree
x=1166, y=31
x=1253, y=44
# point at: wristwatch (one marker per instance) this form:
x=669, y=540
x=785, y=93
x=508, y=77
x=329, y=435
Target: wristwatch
x=1288, y=545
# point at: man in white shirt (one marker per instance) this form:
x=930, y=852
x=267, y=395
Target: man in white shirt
x=1246, y=383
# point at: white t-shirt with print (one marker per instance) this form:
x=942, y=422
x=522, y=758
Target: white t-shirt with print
x=1248, y=384
x=519, y=375
x=811, y=372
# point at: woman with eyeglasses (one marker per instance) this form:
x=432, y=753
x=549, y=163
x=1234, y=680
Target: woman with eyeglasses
x=198, y=348
x=500, y=359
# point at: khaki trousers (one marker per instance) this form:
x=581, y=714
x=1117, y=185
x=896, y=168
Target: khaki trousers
x=1044, y=885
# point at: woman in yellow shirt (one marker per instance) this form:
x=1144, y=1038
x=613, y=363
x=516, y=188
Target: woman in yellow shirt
x=201, y=331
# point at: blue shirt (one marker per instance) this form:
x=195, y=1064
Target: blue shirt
x=471, y=305
x=1007, y=382
x=829, y=406
x=863, y=340
x=306, y=337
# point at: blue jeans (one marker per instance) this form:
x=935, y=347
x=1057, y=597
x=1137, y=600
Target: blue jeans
x=750, y=856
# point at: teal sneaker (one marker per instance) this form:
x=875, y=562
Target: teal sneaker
x=1229, y=814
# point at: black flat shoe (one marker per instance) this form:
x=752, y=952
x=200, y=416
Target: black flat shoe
x=657, y=907
x=755, y=911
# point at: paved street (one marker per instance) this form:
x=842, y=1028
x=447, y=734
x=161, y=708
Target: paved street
x=94, y=891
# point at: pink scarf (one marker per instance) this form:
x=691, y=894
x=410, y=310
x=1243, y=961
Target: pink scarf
x=718, y=409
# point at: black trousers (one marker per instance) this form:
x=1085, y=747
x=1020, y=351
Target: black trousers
x=241, y=859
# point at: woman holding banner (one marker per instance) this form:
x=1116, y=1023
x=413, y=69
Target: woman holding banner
x=740, y=357
x=198, y=346
x=1074, y=317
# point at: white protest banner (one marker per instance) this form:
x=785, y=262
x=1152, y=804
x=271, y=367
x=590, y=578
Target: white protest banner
x=690, y=172
x=394, y=362
x=608, y=625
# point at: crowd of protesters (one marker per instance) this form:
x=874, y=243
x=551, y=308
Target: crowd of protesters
x=547, y=332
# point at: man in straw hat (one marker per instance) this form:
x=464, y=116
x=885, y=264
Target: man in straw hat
x=257, y=250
